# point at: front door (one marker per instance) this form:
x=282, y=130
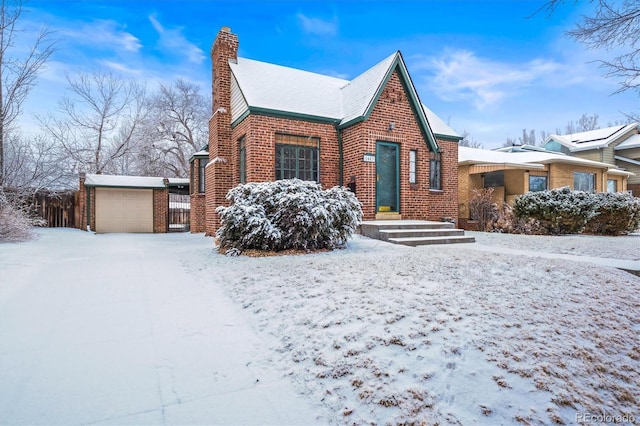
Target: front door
x=387, y=177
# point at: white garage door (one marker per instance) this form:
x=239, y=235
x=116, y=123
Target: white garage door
x=124, y=210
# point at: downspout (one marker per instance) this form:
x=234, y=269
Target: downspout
x=340, y=155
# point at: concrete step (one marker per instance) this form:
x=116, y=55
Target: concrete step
x=414, y=232
x=386, y=234
x=422, y=241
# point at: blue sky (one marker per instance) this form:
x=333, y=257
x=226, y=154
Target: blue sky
x=486, y=67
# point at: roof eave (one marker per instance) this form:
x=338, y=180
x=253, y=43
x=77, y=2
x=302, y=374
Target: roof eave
x=289, y=114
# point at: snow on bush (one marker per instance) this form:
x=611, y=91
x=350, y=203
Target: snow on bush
x=559, y=211
x=14, y=223
x=287, y=214
x=563, y=211
x=616, y=213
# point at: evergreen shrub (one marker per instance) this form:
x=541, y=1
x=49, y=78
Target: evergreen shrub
x=287, y=214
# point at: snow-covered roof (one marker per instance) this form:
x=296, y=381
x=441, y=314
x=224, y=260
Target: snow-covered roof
x=593, y=139
x=632, y=142
x=117, y=181
x=438, y=126
x=265, y=87
x=530, y=159
x=358, y=95
x=279, y=88
x=178, y=181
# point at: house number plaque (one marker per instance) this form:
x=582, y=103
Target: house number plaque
x=369, y=157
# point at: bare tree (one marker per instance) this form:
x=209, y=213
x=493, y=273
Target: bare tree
x=100, y=126
x=36, y=163
x=176, y=128
x=527, y=138
x=469, y=141
x=614, y=24
x=17, y=74
x=584, y=124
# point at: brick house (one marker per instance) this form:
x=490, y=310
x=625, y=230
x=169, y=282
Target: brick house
x=371, y=134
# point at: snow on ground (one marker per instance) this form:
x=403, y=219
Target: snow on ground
x=377, y=333
x=446, y=335
x=621, y=247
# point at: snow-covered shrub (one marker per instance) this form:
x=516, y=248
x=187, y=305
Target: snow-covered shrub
x=15, y=224
x=616, y=213
x=559, y=211
x=287, y=214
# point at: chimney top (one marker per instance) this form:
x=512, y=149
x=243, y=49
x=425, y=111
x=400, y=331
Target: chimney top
x=226, y=29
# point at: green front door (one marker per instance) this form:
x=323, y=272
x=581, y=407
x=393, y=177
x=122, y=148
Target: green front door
x=387, y=177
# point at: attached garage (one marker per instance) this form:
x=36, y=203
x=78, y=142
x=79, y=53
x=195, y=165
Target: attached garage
x=111, y=203
x=124, y=210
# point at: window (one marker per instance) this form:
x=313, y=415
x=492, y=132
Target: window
x=494, y=179
x=243, y=160
x=612, y=185
x=297, y=157
x=435, y=171
x=192, y=179
x=537, y=183
x=202, y=163
x=412, y=166
x=584, y=182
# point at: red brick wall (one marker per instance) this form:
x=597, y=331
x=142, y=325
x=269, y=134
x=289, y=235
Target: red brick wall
x=219, y=173
x=260, y=133
x=197, y=214
x=445, y=203
x=160, y=210
x=417, y=200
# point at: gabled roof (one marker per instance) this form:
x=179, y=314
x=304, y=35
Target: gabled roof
x=259, y=87
x=526, y=160
x=593, y=139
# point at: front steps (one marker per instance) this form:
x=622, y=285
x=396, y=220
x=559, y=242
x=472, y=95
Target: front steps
x=414, y=232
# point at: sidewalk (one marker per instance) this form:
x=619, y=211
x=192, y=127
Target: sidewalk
x=631, y=266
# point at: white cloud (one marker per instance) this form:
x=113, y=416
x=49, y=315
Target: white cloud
x=318, y=26
x=105, y=34
x=461, y=75
x=174, y=41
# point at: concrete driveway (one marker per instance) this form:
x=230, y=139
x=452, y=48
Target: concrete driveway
x=116, y=329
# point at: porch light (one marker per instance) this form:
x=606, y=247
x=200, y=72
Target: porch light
x=392, y=126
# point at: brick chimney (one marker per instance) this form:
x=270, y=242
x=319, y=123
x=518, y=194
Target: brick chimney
x=219, y=178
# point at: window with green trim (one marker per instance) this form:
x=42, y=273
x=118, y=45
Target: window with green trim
x=435, y=171
x=202, y=164
x=297, y=157
x=243, y=160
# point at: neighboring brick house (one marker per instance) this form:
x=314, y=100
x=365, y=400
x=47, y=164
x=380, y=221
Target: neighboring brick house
x=516, y=170
x=617, y=145
x=371, y=134
x=109, y=203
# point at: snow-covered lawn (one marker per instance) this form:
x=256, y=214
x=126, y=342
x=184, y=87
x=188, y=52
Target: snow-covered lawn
x=385, y=334
x=447, y=335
